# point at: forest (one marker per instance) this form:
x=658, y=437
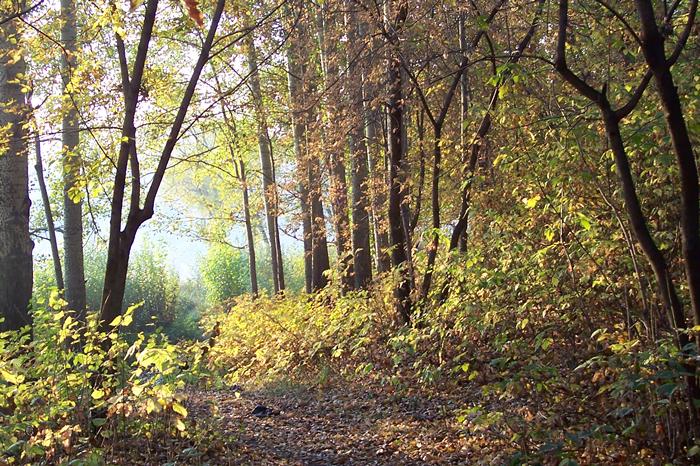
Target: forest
x=368, y=232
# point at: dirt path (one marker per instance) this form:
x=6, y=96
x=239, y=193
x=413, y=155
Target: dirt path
x=336, y=426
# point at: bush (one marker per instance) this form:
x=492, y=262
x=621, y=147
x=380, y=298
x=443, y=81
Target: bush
x=69, y=387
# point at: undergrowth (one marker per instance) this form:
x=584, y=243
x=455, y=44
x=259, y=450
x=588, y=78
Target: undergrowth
x=71, y=394
x=539, y=376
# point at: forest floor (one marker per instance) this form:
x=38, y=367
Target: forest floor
x=336, y=425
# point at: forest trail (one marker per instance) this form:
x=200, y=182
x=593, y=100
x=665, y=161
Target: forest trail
x=338, y=425
x=344, y=425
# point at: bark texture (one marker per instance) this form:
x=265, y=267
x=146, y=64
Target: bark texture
x=72, y=203
x=15, y=242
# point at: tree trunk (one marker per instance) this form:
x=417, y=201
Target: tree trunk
x=72, y=203
x=435, y=211
x=249, y=230
x=666, y=289
x=653, y=49
x=296, y=74
x=15, y=242
x=121, y=241
x=55, y=255
x=319, y=243
x=361, y=248
x=378, y=181
x=333, y=143
x=462, y=239
x=269, y=185
x=397, y=192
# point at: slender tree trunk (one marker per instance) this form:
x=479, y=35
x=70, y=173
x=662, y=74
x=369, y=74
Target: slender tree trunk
x=397, y=192
x=653, y=49
x=361, y=248
x=248, y=230
x=377, y=173
x=15, y=242
x=435, y=211
x=319, y=243
x=463, y=122
x=240, y=173
x=269, y=185
x=72, y=204
x=666, y=289
x=55, y=255
x=295, y=76
x=333, y=143
x=300, y=84
x=378, y=181
x=121, y=240
x=420, y=129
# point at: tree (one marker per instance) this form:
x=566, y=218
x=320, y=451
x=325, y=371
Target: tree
x=658, y=67
x=266, y=162
x=15, y=243
x=332, y=140
x=298, y=86
x=72, y=164
x=361, y=247
x=122, y=240
x=395, y=17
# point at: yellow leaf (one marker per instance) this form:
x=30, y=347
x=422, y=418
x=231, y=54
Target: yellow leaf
x=178, y=408
x=98, y=394
x=180, y=425
x=14, y=379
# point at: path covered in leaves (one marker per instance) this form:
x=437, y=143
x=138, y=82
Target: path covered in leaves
x=340, y=425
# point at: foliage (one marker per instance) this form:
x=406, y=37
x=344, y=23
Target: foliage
x=164, y=301
x=567, y=394
x=68, y=390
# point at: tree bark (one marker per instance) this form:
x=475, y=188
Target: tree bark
x=319, y=243
x=327, y=25
x=666, y=289
x=462, y=238
x=252, y=267
x=121, y=241
x=397, y=192
x=296, y=75
x=378, y=180
x=653, y=49
x=362, y=255
x=72, y=204
x=15, y=242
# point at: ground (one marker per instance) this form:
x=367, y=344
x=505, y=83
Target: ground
x=337, y=425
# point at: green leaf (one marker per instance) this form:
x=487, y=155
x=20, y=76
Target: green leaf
x=99, y=421
x=568, y=462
